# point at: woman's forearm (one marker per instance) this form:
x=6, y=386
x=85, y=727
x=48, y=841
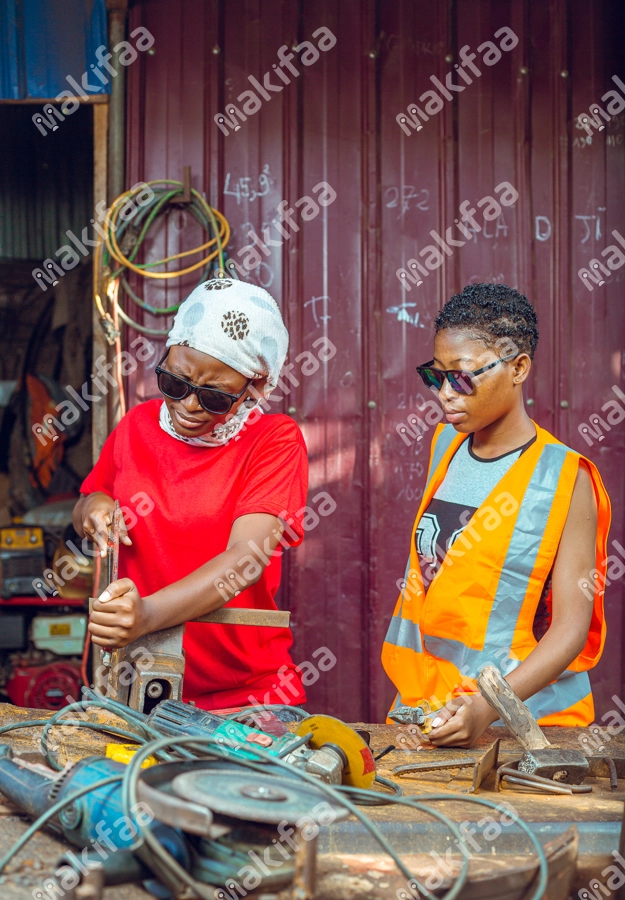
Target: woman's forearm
x=120, y=615
x=198, y=593
x=552, y=655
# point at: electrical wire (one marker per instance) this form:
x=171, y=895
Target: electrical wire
x=131, y=717
x=117, y=226
x=298, y=713
x=169, y=871
x=364, y=797
x=295, y=745
x=27, y=723
x=418, y=802
x=56, y=719
x=198, y=209
x=167, y=868
x=113, y=293
x=51, y=813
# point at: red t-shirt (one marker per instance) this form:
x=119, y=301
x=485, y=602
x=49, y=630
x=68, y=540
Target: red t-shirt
x=197, y=493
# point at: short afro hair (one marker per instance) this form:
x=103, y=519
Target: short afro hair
x=490, y=313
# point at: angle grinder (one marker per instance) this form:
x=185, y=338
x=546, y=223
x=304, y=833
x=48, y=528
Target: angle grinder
x=265, y=819
x=322, y=746
x=94, y=820
x=214, y=817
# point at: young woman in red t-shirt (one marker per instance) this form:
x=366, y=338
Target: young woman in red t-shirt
x=217, y=491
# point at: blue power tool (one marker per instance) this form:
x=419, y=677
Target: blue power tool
x=94, y=822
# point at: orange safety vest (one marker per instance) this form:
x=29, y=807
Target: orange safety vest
x=480, y=606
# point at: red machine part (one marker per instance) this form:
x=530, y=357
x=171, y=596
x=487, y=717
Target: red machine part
x=49, y=686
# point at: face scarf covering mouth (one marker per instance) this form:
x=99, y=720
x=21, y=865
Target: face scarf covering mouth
x=241, y=325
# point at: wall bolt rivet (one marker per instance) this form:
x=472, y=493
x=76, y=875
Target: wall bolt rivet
x=291, y=410
x=151, y=52
x=523, y=70
x=371, y=404
x=564, y=73
x=530, y=401
x=564, y=404
x=216, y=49
x=449, y=58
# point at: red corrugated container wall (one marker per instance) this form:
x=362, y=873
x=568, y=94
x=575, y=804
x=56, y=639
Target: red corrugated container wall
x=335, y=277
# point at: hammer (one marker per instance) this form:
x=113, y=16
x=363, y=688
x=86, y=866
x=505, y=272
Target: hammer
x=541, y=759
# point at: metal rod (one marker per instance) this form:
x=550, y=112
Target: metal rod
x=117, y=515
x=613, y=774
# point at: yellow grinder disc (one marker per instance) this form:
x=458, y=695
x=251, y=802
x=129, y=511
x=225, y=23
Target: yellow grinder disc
x=360, y=769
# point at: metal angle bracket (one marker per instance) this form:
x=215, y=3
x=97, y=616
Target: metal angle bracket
x=482, y=766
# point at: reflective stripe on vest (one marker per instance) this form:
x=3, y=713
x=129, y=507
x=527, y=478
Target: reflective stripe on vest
x=515, y=575
x=404, y=633
x=568, y=689
x=480, y=606
x=441, y=446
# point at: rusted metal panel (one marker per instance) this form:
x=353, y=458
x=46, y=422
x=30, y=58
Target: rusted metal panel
x=593, y=326
x=335, y=276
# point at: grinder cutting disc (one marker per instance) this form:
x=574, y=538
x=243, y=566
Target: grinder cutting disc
x=360, y=769
x=254, y=797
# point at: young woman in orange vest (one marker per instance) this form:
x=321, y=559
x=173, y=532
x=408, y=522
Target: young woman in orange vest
x=511, y=532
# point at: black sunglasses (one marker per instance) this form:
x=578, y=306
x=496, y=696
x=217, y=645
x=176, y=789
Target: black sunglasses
x=210, y=399
x=462, y=382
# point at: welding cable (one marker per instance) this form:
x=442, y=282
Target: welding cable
x=56, y=719
x=27, y=723
x=113, y=294
x=199, y=208
x=418, y=802
x=51, y=813
x=417, y=799
x=85, y=657
x=299, y=713
x=165, y=190
x=166, y=867
x=371, y=797
x=132, y=717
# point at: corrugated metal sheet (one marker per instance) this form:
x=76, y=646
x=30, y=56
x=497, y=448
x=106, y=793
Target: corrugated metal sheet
x=46, y=184
x=44, y=41
x=336, y=276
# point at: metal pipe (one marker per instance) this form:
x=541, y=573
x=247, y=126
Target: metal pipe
x=116, y=176
x=117, y=11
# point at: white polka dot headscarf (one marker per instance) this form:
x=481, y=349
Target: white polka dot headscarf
x=239, y=324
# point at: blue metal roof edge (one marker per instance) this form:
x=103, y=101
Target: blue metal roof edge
x=47, y=41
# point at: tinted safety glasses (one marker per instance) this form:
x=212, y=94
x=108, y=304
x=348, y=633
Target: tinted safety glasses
x=462, y=382
x=210, y=399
